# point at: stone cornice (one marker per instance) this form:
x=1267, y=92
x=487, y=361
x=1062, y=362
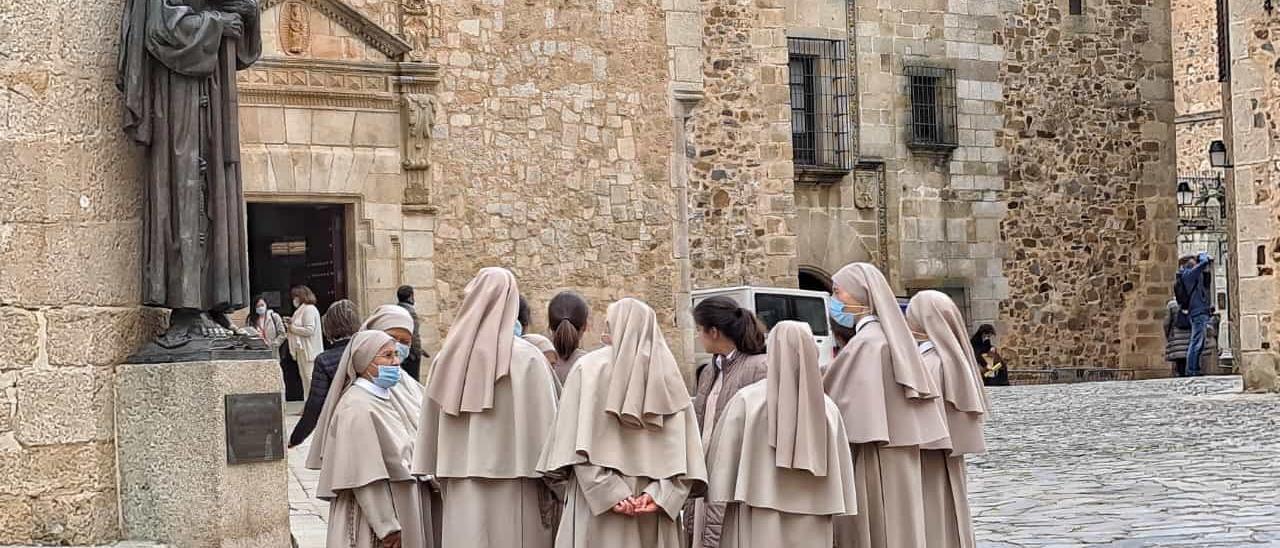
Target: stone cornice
x=1203, y=116
x=336, y=84
x=357, y=24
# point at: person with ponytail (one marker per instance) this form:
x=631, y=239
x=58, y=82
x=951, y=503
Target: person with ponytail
x=735, y=338
x=567, y=319
x=891, y=408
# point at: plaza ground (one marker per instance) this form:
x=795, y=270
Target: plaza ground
x=1174, y=462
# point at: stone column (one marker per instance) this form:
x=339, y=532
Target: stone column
x=69, y=282
x=1250, y=108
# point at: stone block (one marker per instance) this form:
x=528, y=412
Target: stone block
x=88, y=180
x=57, y=470
x=332, y=127
x=297, y=126
x=243, y=505
x=417, y=245
x=16, y=520
x=79, y=519
x=19, y=338
x=96, y=336
x=377, y=129
x=47, y=264
x=56, y=406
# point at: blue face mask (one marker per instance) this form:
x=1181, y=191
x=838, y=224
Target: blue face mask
x=519, y=330
x=835, y=309
x=388, y=376
x=402, y=350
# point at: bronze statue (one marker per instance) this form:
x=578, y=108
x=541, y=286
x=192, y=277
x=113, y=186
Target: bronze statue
x=176, y=70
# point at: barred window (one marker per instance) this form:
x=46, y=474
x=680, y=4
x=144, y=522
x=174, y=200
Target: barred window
x=819, y=106
x=1075, y=7
x=933, y=106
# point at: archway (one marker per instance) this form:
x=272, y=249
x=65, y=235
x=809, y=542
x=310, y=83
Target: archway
x=813, y=279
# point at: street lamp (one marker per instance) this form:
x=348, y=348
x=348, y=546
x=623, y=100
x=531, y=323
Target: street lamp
x=1218, y=155
x=1185, y=194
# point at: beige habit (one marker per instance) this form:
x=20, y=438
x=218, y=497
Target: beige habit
x=716, y=386
x=890, y=407
x=544, y=345
x=626, y=427
x=948, y=357
x=365, y=473
x=490, y=405
x=780, y=457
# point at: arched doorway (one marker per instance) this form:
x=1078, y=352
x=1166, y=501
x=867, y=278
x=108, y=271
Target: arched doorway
x=813, y=279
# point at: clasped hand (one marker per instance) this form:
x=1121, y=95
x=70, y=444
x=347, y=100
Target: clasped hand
x=636, y=505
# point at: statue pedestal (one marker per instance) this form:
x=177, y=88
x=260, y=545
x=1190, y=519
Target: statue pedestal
x=201, y=454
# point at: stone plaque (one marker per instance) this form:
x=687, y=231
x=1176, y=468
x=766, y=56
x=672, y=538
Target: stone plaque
x=255, y=428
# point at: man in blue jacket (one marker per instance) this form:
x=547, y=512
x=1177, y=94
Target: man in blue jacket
x=1199, y=307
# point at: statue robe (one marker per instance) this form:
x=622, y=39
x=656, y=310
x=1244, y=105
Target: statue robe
x=177, y=74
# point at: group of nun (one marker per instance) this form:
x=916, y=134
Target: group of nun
x=519, y=444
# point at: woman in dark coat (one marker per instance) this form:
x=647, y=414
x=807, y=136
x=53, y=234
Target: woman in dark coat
x=994, y=371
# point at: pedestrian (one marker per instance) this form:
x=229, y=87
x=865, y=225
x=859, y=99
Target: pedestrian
x=374, y=500
x=543, y=344
x=1177, y=337
x=266, y=324
x=490, y=405
x=887, y=400
x=935, y=320
x=1193, y=296
x=567, y=316
x=413, y=364
x=340, y=322
x=780, y=456
x=306, y=336
x=994, y=371
x=394, y=320
x=626, y=439
x=736, y=340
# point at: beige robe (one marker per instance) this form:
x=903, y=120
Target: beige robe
x=942, y=470
x=606, y=462
x=886, y=429
x=716, y=386
x=366, y=478
x=770, y=506
x=486, y=462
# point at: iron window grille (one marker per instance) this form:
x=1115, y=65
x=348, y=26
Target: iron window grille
x=933, y=107
x=1075, y=7
x=820, y=121
x=1224, y=43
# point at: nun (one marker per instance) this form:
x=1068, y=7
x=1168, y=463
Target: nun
x=780, y=457
x=627, y=440
x=374, y=500
x=890, y=407
x=935, y=320
x=395, y=321
x=490, y=405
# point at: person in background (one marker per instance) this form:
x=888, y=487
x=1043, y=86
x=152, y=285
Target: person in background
x=266, y=324
x=779, y=437
x=306, y=336
x=339, y=324
x=1177, y=338
x=364, y=460
x=736, y=339
x=413, y=364
x=891, y=407
x=1195, y=281
x=567, y=316
x=935, y=321
x=994, y=371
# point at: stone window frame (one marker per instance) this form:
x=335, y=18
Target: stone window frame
x=931, y=89
x=821, y=95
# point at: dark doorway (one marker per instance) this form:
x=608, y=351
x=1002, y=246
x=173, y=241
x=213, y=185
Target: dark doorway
x=813, y=281
x=297, y=244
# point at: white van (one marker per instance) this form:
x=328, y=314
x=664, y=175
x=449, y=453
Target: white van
x=775, y=304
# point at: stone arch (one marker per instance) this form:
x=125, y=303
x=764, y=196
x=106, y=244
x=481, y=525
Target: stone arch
x=813, y=278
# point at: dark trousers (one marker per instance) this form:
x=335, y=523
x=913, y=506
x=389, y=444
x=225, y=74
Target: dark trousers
x=1199, y=329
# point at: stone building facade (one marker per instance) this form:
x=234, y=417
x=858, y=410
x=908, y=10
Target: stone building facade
x=1091, y=212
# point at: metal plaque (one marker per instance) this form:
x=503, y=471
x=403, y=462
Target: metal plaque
x=255, y=428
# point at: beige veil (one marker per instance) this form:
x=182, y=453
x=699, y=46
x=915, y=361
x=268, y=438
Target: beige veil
x=796, y=401
x=363, y=348
x=938, y=316
x=477, y=351
x=866, y=284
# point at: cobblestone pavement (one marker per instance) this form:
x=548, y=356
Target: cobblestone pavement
x=1125, y=464
x=1151, y=463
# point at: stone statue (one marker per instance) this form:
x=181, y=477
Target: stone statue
x=176, y=71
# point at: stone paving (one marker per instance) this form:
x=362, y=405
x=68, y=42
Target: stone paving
x=1125, y=464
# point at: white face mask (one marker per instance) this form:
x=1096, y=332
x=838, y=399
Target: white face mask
x=261, y=310
x=297, y=303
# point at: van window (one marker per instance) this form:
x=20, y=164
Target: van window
x=772, y=309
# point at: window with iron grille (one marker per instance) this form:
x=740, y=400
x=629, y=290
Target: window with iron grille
x=933, y=106
x=1224, y=43
x=1075, y=7
x=820, y=123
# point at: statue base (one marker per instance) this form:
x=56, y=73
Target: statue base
x=196, y=336
x=200, y=452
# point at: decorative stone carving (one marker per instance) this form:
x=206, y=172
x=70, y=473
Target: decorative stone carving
x=295, y=28
x=422, y=22
x=864, y=190
x=419, y=117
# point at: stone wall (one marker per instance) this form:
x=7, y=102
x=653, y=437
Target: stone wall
x=740, y=180
x=1197, y=92
x=70, y=233
x=551, y=151
x=1090, y=225
x=1251, y=102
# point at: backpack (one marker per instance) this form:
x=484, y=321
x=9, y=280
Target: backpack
x=1181, y=293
